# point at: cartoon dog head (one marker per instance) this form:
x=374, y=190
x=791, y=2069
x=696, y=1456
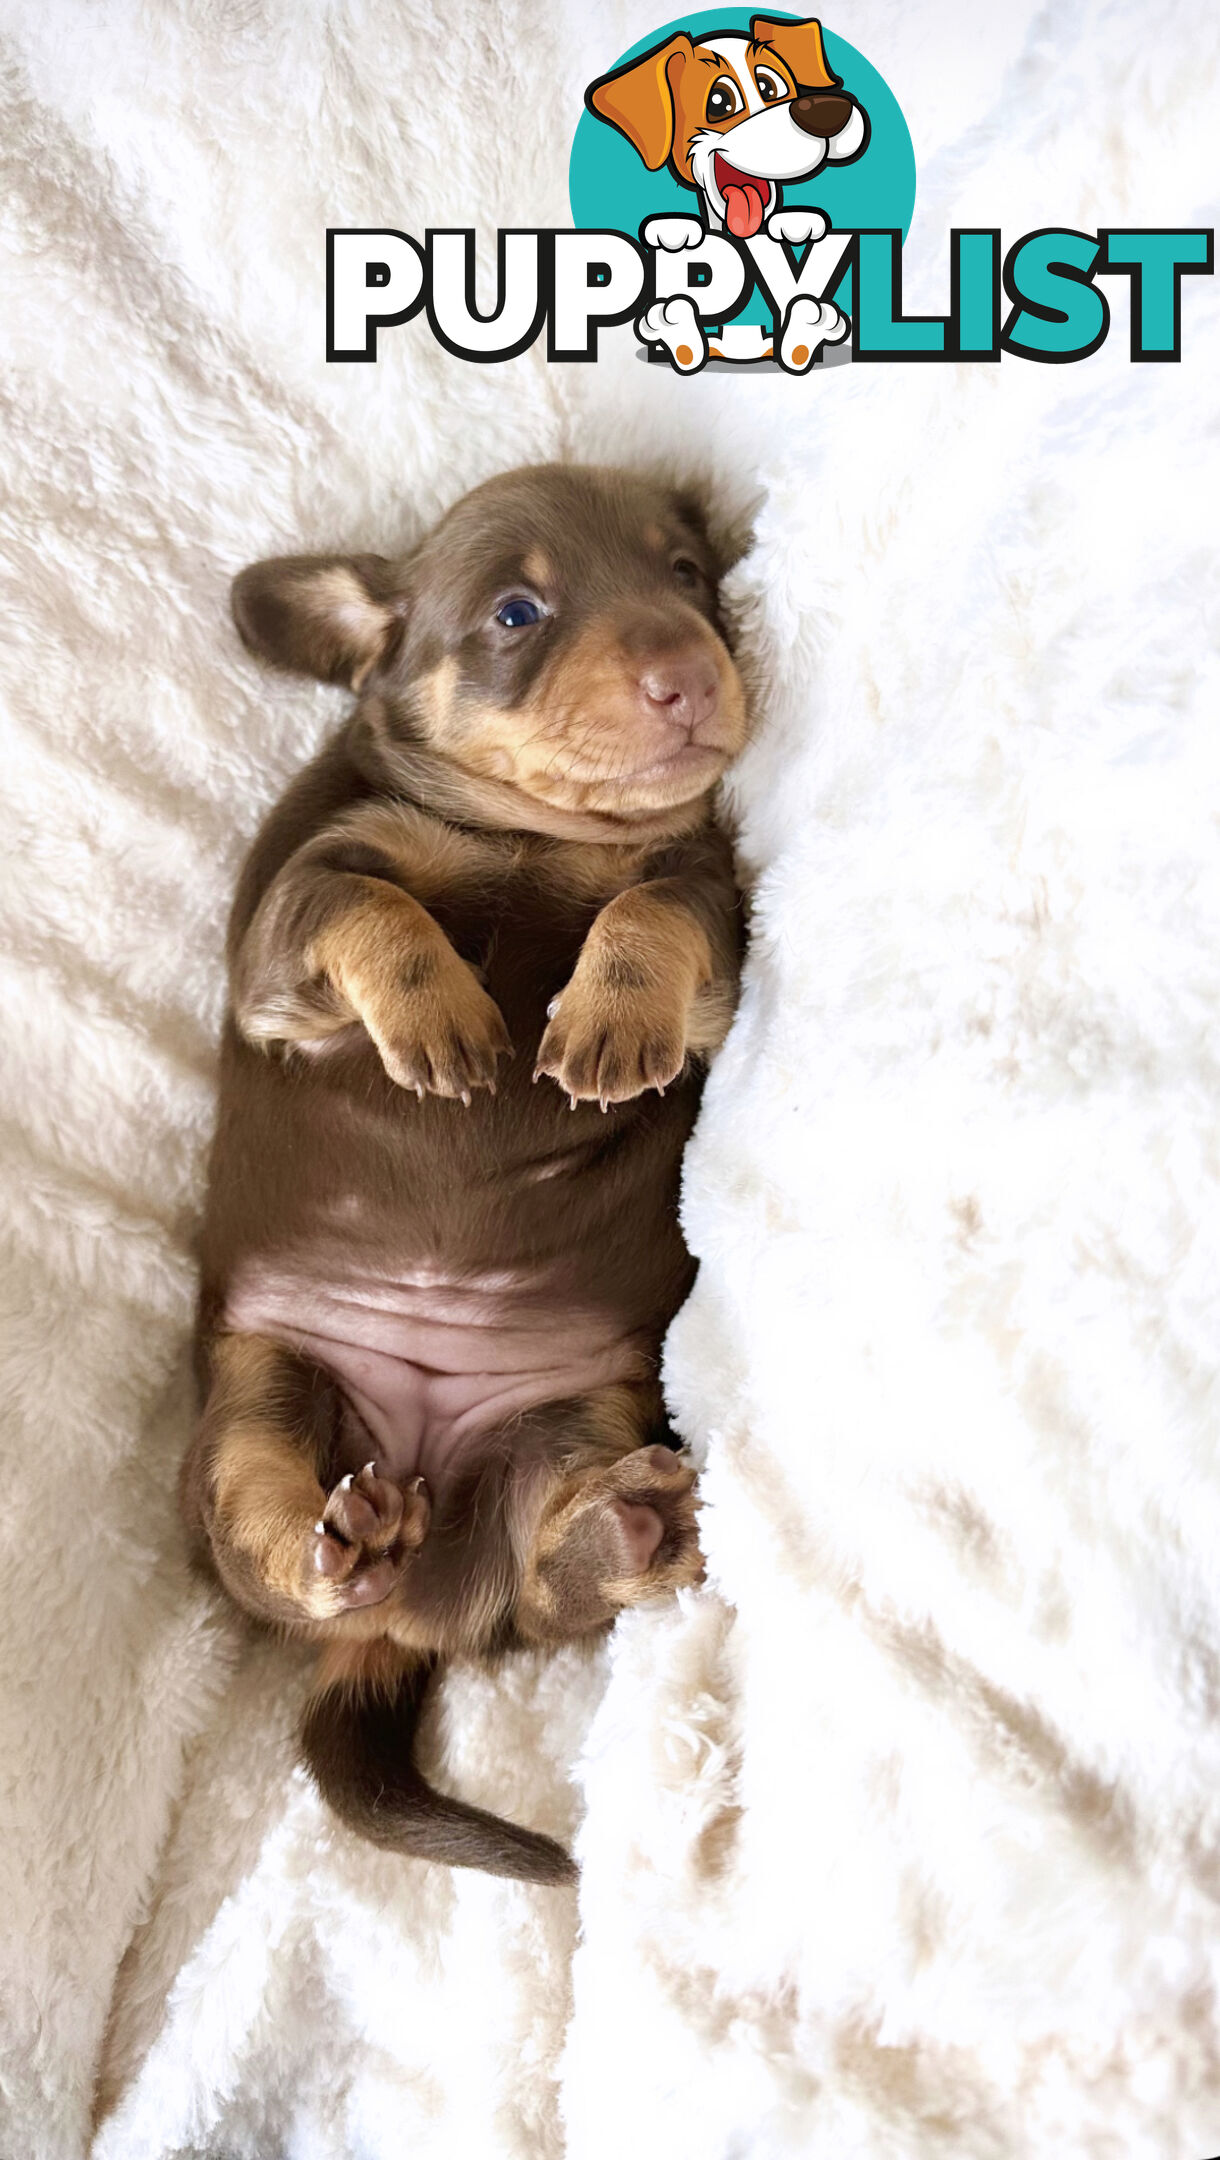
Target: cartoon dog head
x=770, y=98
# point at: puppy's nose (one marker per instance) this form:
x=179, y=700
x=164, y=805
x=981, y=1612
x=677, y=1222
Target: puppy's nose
x=821, y=112
x=682, y=690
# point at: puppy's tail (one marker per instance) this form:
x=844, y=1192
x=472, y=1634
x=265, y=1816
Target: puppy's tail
x=358, y=1739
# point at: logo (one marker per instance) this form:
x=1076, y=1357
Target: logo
x=732, y=144
x=741, y=186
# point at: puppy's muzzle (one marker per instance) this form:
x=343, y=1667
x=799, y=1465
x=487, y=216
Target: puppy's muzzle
x=822, y=112
x=681, y=690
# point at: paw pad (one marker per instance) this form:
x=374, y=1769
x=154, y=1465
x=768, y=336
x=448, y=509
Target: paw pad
x=365, y=1533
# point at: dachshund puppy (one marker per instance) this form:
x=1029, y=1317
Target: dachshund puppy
x=477, y=953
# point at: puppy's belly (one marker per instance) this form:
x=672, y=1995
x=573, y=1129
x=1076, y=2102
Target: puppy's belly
x=429, y=1363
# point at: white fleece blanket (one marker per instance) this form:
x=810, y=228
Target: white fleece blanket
x=902, y=1837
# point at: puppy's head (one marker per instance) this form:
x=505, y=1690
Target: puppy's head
x=732, y=115
x=558, y=630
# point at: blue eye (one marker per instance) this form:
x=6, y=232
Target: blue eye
x=519, y=614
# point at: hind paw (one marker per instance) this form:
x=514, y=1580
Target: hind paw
x=675, y=325
x=612, y=1536
x=650, y=1537
x=366, y=1532
x=808, y=326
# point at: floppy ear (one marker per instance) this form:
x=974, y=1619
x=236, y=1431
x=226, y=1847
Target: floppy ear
x=800, y=47
x=332, y=616
x=639, y=99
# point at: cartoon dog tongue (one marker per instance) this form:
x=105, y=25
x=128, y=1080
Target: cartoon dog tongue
x=745, y=199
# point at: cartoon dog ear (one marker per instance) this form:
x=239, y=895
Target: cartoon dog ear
x=639, y=99
x=799, y=45
x=332, y=616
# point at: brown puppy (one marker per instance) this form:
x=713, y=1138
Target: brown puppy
x=475, y=954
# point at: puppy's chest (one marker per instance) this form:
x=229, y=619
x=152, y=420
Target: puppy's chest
x=522, y=917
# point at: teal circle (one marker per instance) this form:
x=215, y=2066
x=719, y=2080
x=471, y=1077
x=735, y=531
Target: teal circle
x=611, y=188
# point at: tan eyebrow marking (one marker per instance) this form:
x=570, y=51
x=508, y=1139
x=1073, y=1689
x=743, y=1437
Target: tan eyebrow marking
x=777, y=66
x=725, y=67
x=536, y=568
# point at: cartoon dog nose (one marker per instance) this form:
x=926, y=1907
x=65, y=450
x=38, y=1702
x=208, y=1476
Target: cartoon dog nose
x=682, y=690
x=821, y=112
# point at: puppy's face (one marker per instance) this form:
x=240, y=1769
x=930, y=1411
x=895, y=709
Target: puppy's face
x=557, y=630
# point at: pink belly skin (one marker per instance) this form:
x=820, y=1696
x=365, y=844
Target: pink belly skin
x=429, y=1364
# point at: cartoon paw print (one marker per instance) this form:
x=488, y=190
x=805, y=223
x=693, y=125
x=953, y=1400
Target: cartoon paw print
x=675, y=325
x=796, y=226
x=808, y=325
x=673, y=233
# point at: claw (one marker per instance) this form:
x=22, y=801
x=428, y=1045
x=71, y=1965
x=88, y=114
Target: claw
x=553, y=1007
x=319, y=1529
x=344, y=1482
x=418, y=1484
x=419, y=1091
x=571, y=1102
x=466, y=1097
x=370, y=1468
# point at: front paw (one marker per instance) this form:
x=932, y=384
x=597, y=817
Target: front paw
x=606, y=1043
x=797, y=226
x=365, y=1534
x=438, y=1032
x=673, y=233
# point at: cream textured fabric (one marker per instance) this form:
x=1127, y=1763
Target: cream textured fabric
x=903, y=1836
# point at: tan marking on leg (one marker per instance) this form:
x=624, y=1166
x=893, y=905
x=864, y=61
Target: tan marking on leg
x=367, y=949
x=257, y=1482
x=608, y=1534
x=623, y=1024
x=259, y=1470
x=267, y=1501
x=601, y=1431
x=434, y=1025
